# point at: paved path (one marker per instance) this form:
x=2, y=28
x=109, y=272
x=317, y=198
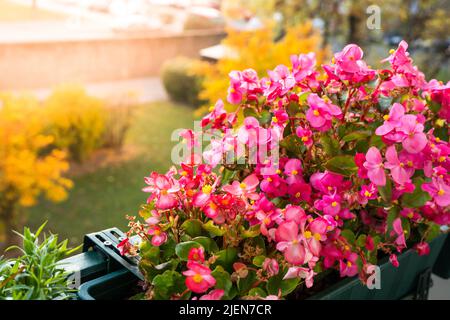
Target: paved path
x=147, y=89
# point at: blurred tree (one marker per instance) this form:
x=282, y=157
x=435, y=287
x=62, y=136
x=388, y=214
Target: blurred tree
x=29, y=167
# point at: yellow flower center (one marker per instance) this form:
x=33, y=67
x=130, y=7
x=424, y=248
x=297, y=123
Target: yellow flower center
x=206, y=189
x=391, y=51
x=349, y=264
x=304, y=139
x=184, y=173
x=410, y=215
x=197, y=278
x=438, y=139
x=156, y=232
x=307, y=234
x=267, y=220
x=346, y=248
x=212, y=205
x=269, y=179
x=334, y=204
x=386, y=117
x=333, y=60
x=316, y=113
x=294, y=172
x=441, y=192
x=367, y=193
x=317, y=236
x=402, y=164
x=440, y=123
x=232, y=90
x=164, y=192
x=211, y=109
x=278, y=171
x=243, y=185
x=410, y=163
x=274, y=119
x=298, y=194
x=441, y=158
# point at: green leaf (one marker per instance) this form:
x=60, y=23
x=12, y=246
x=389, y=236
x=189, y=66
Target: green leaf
x=433, y=231
x=167, y=249
x=245, y=284
x=293, y=144
x=418, y=197
x=330, y=145
x=207, y=243
x=361, y=241
x=344, y=165
x=226, y=258
x=223, y=280
x=287, y=286
x=356, y=135
x=376, y=141
x=213, y=229
x=386, y=191
x=182, y=249
x=192, y=227
x=348, y=235
x=258, y=260
x=251, y=232
x=227, y=176
x=149, y=252
x=258, y=292
x=167, y=284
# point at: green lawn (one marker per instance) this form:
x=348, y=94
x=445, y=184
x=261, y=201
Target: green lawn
x=101, y=199
x=14, y=12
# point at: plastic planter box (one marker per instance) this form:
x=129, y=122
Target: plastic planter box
x=442, y=265
x=396, y=283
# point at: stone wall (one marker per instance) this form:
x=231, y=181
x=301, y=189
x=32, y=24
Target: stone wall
x=48, y=63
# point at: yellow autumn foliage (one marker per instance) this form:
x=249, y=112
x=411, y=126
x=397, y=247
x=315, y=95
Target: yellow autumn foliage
x=76, y=120
x=29, y=166
x=257, y=50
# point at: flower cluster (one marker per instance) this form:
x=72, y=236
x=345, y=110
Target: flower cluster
x=330, y=168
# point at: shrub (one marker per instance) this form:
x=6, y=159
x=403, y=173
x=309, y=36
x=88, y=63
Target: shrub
x=339, y=170
x=29, y=166
x=181, y=84
x=119, y=115
x=37, y=273
x=76, y=120
x=257, y=50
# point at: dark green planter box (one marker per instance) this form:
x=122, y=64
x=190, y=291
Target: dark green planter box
x=396, y=283
x=442, y=265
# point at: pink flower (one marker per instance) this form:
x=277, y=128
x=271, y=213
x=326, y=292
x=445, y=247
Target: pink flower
x=398, y=171
x=289, y=242
x=305, y=135
x=299, y=191
x=293, y=170
x=391, y=121
x=163, y=189
x=368, y=192
x=270, y=266
x=360, y=158
x=197, y=254
x=321, y=112
x=235, y=92
x=199, y=278
x=393, y=259
x=159, y=237
x=348, y=266
x=439, y=191
x=215, y=294
x=245, y=188
x=300, y=272
x=329, y=204
x=398, y=230
x=350, y=66
x=422, y=248
x=124, y=246
x=303, y=65
x=374, y=166
x=415, y=139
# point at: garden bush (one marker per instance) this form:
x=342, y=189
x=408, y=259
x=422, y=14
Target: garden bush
x=76, y=120
x=181, y=83
x=29, y=165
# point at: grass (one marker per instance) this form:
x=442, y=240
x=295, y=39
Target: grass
x=101, y=199
x=11, y=12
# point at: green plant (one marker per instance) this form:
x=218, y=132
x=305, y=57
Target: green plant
x=38, y=273
x=180, y=82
